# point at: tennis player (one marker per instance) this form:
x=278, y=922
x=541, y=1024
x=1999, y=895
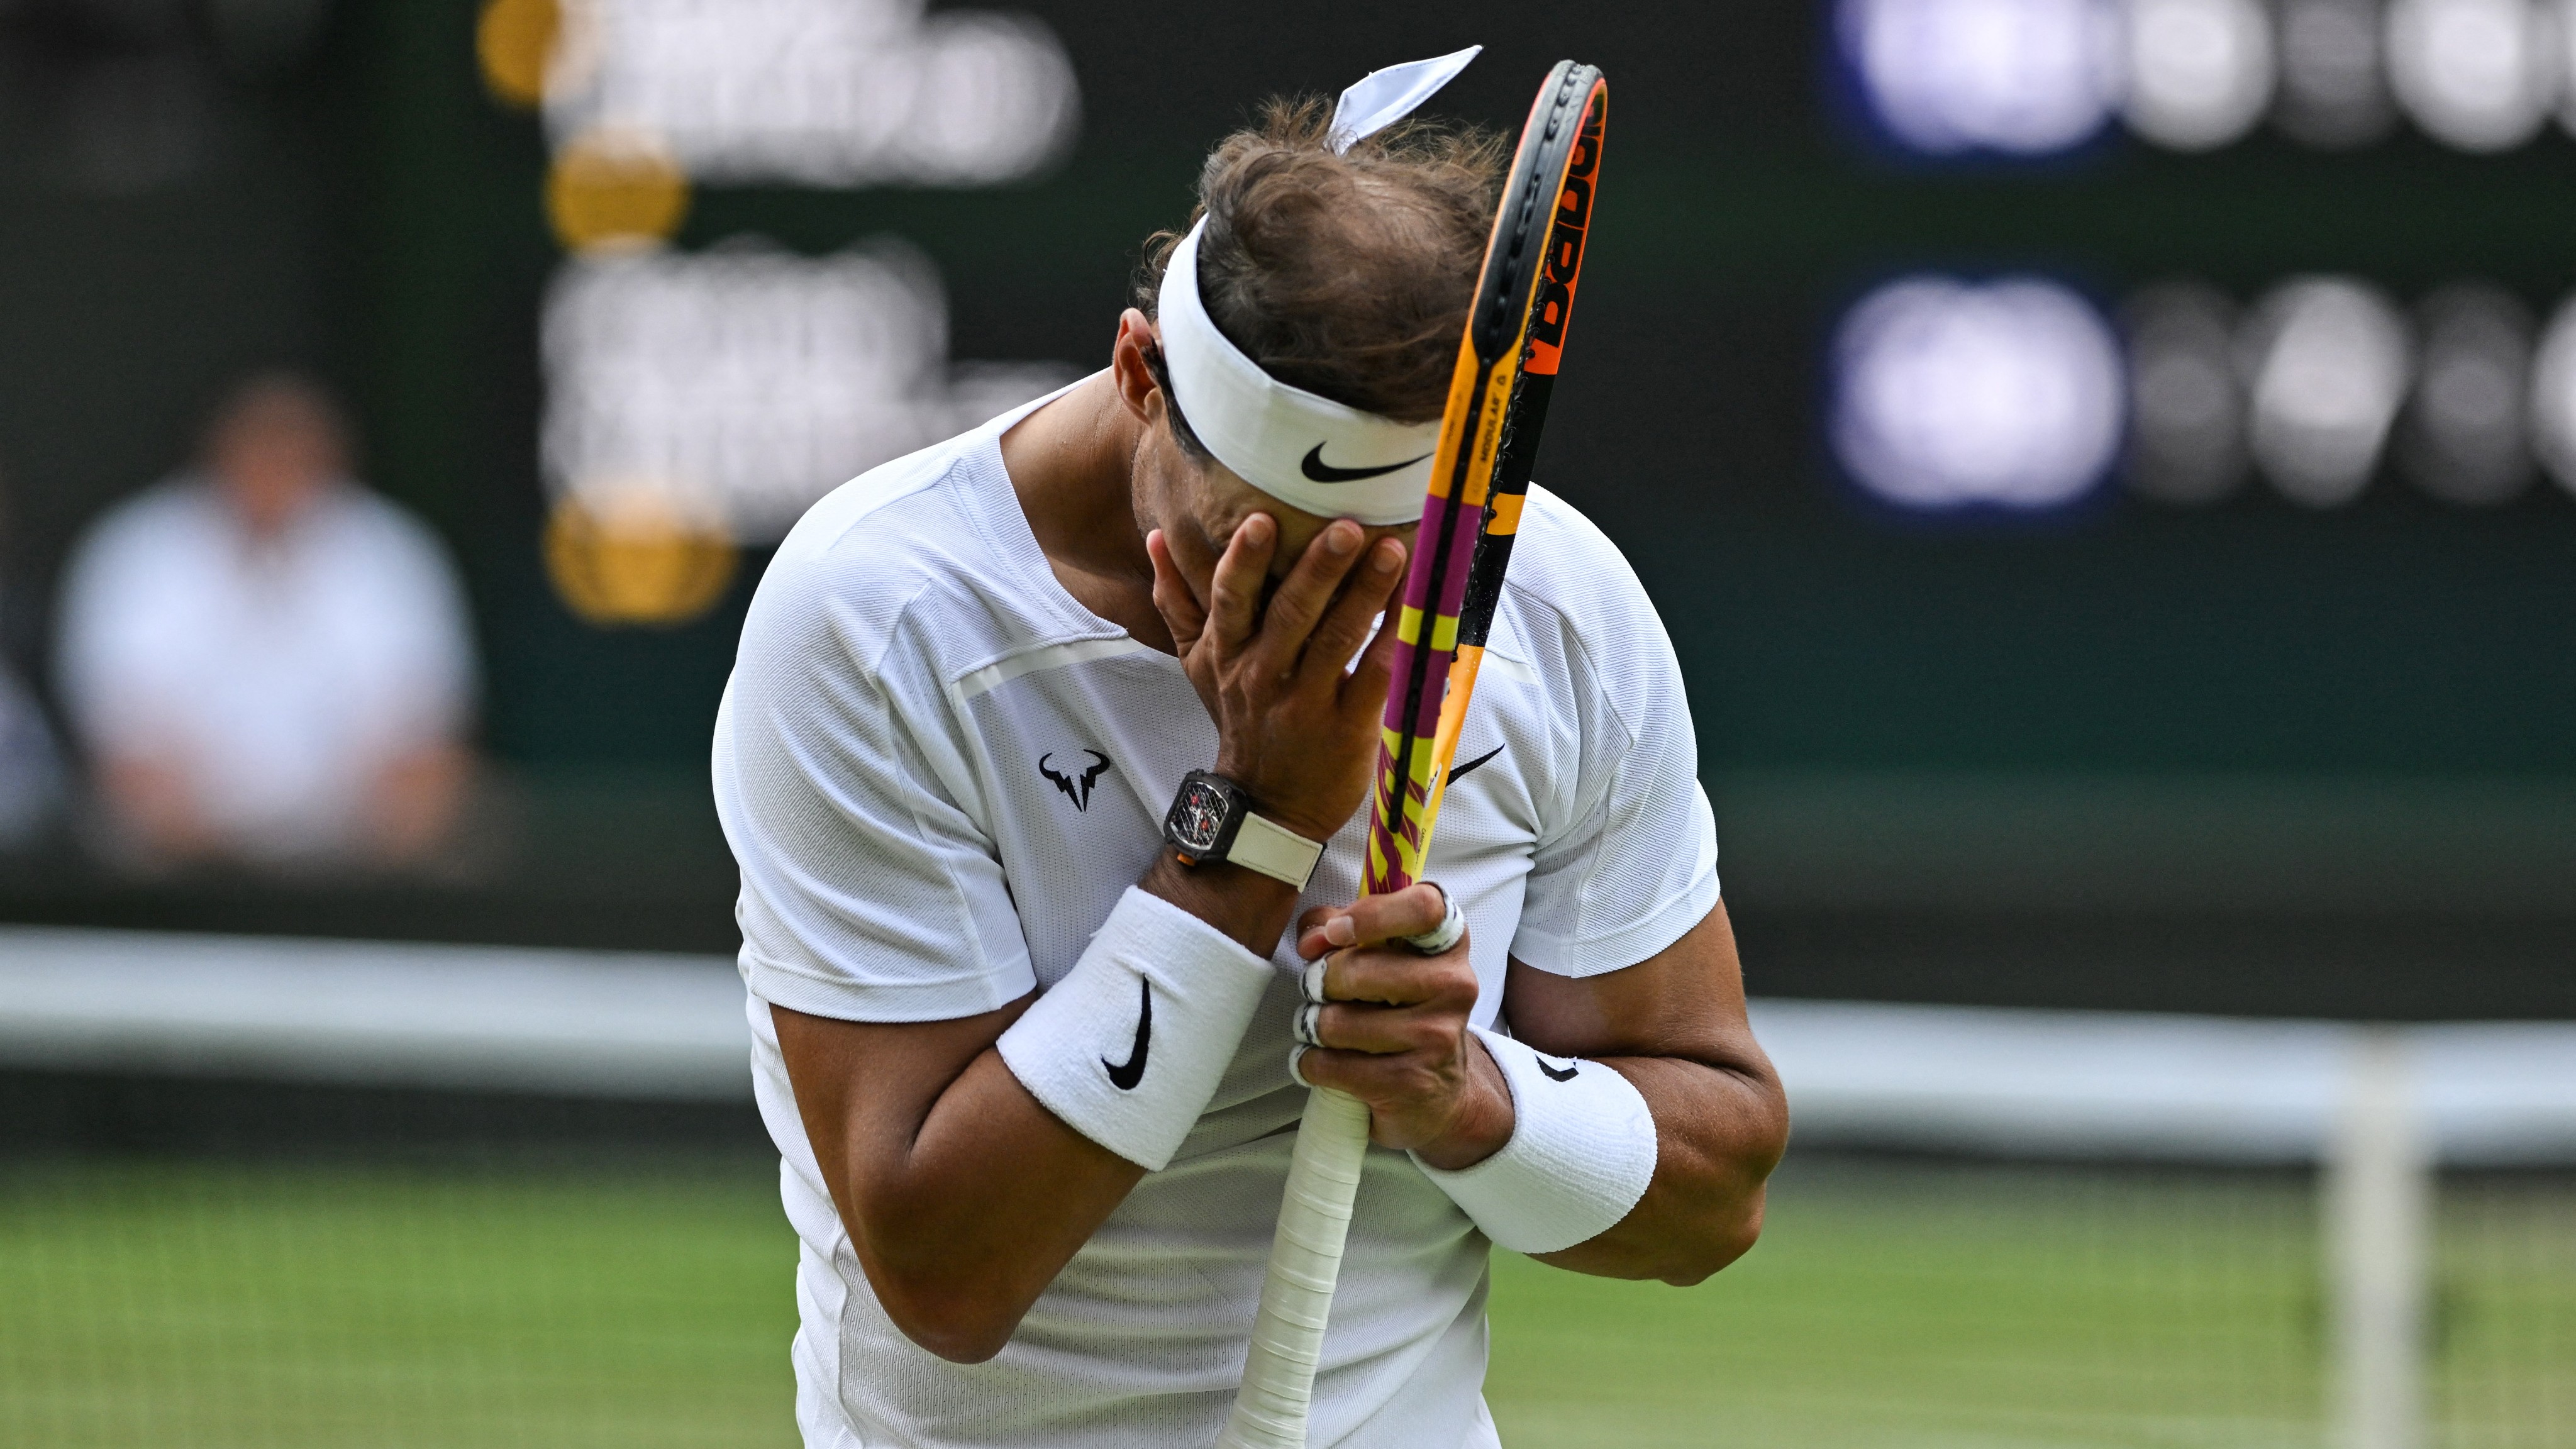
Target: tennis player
x=1042, y=740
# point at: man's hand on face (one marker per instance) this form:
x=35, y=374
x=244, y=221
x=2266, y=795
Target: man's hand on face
x=1296, y=721
x=1393, y=1032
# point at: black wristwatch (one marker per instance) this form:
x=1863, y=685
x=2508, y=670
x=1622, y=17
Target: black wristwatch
x=1211, y=819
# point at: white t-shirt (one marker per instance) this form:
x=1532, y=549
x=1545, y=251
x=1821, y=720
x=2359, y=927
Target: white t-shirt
x=282, y=675
x=939, y=772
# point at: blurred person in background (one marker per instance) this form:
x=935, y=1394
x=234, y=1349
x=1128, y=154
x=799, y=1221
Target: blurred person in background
x=268, y=665
x=30, y=770
x=30, y=767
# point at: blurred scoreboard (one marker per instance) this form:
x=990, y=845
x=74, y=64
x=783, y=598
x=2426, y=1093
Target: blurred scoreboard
x=2089, y=387
x=2017, y=395
x=1982, y=385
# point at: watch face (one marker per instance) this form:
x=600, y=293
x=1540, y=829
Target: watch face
x=1198, y=817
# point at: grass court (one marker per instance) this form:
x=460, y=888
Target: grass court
x=1889, y=1306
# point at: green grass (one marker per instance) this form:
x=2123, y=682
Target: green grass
x=291, y=1307
x=1888, y=1307
x=2508, y=1314
x=1927, y=1306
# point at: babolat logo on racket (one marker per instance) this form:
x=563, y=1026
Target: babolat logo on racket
x=1555, y=303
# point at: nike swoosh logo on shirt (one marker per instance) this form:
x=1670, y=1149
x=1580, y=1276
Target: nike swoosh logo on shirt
x=1554, y=1075
x=1314, y=466
x=1124, y=1076
x=1457, y=770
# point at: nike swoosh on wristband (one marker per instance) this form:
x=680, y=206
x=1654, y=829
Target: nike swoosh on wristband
x=1124, y=1076
x=1554, y=1075
x=1314, y=466
x=1457, y=770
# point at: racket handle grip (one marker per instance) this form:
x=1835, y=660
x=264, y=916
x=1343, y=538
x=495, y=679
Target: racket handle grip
x=1305, y=1258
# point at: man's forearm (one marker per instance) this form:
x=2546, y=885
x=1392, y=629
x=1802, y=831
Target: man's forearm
x=1718, y=1133
x=1245, y=904
x=964, y=1193
x=968, y=1227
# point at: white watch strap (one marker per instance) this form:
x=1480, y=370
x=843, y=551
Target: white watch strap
x=1275, y=851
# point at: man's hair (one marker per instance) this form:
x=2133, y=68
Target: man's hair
x=1348, y=275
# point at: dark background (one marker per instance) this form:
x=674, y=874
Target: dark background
x=2247, y=758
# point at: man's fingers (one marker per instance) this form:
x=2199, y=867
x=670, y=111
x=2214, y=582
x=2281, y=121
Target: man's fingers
x=1412, y=911
x=1234, y=597
x=1370, y=1076
x=1173, y=598
x=1346, y=623
x=1311, y=941
x=1324, y=929
x=1396, y=976
x=1384, y=1030
x=1310, y=930
x=1340, y=1070
x=1364, y=693
x=1299, y=601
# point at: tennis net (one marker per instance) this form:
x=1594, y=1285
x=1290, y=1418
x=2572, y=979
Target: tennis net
x=260, y=1192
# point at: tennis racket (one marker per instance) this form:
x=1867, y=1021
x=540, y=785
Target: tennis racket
x=1507, y=363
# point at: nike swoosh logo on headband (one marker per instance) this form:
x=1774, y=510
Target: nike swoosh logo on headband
x=1314, y=466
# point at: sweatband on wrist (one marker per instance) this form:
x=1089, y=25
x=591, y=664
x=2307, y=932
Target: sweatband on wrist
x=1581, y=1154
x=1128, y=1048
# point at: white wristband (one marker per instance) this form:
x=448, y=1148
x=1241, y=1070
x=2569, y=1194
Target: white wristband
x=1581, y=1154
x=1129, y=1046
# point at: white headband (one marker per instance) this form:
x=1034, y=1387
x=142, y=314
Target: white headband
x=1308, y=452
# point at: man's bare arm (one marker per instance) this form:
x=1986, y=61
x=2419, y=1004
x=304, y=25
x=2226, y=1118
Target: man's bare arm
x=931, y=1149
x=1396, y=1036
x=962, y=1194
x=1673, y=1024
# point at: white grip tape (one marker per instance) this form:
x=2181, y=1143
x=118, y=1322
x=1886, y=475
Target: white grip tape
x=1129, y=1046
x=1297, y=1296
x=1309, y=1014
x=1581, y=1154
x=1453, y=924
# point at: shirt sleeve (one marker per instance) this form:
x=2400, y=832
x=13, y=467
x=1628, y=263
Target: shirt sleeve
x=1630, y=862
x=871, y=887
x=423, y=645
